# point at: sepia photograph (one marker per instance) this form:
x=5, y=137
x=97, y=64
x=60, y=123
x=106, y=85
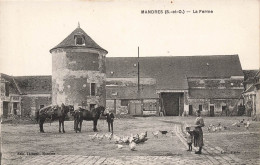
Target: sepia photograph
x=111, y=82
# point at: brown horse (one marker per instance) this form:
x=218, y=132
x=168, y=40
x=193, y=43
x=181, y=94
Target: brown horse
x=53, y=113
x=88, y=115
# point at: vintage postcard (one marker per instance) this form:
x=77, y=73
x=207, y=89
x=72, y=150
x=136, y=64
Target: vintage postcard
x=129, y=82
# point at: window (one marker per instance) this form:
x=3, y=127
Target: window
x=6, y=89
x=79, y=40
x=92, y=89
x=92, y=106
x=200, y=107
x=124, y=102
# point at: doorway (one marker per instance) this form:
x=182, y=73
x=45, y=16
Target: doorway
x=211, y=110
x=135, y=108
x=15, y=108
x=171, y=103
x=5, y=109
x=190, y=110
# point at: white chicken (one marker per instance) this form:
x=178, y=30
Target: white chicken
x=172, y=133
x=109, y=136
x=93, y=137
x=100, y=137
x=213, y=128
x=247, y=124
x=143, y=134
x=156, y=134
x=234, y=123
x=143, y=138
x=131, y=138
x=136, y=138
x=132, y=146
x=125, y=139
x=117, y=139
x=120, y=146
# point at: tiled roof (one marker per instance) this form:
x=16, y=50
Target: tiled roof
x=172, y=72
x=34, y=84
x=249, y=74
x=69, y=41
x=215, y=93
x=12, y=86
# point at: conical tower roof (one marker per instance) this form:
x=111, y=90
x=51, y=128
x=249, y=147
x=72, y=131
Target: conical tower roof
x=69, y=42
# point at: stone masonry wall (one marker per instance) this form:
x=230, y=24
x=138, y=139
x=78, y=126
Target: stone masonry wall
x=73, y=72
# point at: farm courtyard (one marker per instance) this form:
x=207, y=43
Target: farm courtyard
x=22, y=143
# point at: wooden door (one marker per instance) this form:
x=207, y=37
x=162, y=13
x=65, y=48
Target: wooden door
x=190, y=109
x=5, y=109
x=211, y=111
x=135, y=108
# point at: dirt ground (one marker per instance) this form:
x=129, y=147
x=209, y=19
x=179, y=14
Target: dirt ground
x=19, y=139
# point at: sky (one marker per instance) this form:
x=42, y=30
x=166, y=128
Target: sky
x=29, y=29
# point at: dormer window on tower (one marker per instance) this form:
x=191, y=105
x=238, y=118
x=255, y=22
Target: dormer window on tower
x=79, y=40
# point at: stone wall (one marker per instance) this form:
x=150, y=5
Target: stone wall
x=217, y=103
x=29, y=104
x=73, y=72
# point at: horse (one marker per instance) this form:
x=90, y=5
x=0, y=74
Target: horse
x=88, y=115
x=53, y=112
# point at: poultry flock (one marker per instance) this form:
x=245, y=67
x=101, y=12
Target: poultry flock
x=122, y=141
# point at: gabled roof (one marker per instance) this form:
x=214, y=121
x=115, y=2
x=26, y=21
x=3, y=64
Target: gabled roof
x=172, y=72
x=34, y=84
x=249, y=75
x=12, y=86
x=69, y=42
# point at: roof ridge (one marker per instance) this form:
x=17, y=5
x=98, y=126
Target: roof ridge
x=177, y=56
x=69, y=41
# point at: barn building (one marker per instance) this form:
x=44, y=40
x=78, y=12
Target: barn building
x=174, y=85
x=78, y=71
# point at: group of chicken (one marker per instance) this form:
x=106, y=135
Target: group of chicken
x=164, y=133
x=219, y=127
x=129, y=140
x=242, y=122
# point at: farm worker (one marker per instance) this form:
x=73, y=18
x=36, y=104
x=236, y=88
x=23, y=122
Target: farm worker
x=198, y=137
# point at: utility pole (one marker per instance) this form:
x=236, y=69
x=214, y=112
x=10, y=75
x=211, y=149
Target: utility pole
x=138, y=75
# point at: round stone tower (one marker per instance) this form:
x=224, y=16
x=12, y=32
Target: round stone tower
x=78, y=71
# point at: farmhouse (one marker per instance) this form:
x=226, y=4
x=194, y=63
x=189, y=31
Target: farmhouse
x=82, y=75
x=22, y=95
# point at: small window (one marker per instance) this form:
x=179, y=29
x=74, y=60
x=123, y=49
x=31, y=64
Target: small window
x=92, y=106
x=200, y=107
x=92, y=89
x=124, y=102
x=79, y=40
x=6, y=89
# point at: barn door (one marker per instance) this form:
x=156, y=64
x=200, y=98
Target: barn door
x=135, y=108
